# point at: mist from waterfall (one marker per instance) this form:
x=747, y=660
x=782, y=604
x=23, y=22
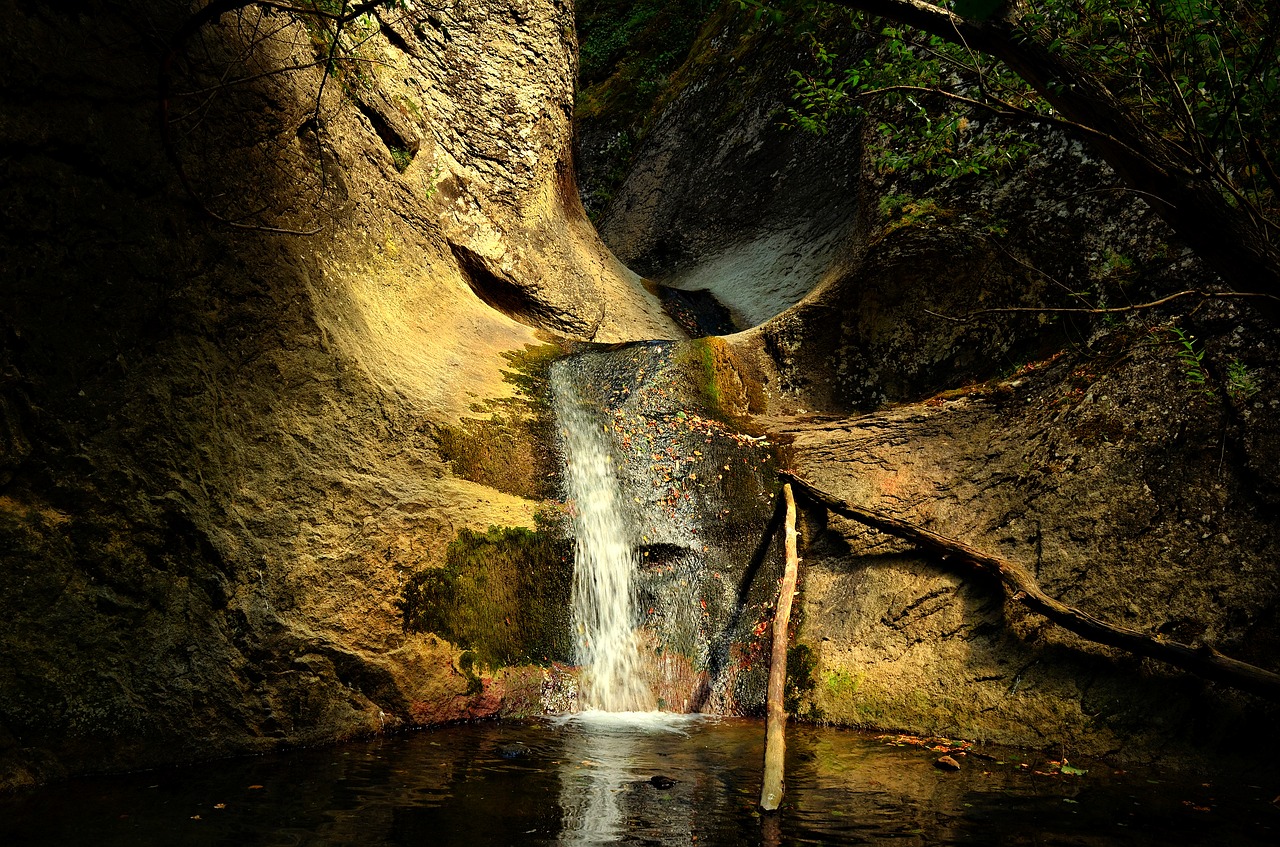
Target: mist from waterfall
x=603, y=598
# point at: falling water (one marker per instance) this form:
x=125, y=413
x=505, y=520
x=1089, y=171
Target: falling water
x=604, y=614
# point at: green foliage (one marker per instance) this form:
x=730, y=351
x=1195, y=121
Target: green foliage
x=1192, y=361
x=628, y=55
x=627, y=51
x=431, y=186
x=401, y=158
x=901, y=211
x=1242, y=383
x=1204, y=72
x=1201, y=74
x=501, y=594
x=1116, y=265
x=894, y=83
x=339, y=29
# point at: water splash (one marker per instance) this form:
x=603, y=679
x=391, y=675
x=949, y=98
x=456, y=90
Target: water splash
x=604, y=612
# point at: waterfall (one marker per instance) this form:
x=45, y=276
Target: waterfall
x=604, y=613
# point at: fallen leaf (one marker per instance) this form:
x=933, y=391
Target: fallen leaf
x=219, y=805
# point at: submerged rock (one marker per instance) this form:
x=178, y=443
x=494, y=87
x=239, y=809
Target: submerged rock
x=514, y=750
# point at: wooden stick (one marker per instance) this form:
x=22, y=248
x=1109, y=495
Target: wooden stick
x=775, y=740
x=1021, y=586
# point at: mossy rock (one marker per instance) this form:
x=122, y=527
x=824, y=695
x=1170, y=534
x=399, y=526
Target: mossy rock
x=509, y=449
x=503, y=595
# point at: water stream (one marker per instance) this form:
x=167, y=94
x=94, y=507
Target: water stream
x=604, y=613
x=668, y=508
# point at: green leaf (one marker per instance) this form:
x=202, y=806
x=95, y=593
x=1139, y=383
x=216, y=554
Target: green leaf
x=1072, y=770
x=978, y=10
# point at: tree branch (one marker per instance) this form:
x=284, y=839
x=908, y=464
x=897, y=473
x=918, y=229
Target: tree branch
x=1203, y=295
x=999, y=108
x=1188, y=196
x=1019, y=585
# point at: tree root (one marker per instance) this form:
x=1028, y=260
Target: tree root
x=1019, y=585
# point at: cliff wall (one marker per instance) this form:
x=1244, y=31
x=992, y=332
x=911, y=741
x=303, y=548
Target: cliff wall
x=267, y=333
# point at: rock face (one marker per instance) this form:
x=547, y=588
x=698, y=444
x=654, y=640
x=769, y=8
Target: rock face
x=1077, y=446
x=1105, y=478
x=721, y=198
x=226, y=449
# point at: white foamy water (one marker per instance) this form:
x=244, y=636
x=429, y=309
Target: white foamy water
x=671, y=722
x=604, y=614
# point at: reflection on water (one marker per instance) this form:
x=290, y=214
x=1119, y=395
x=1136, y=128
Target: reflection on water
x=607, y=767
x=589, y=780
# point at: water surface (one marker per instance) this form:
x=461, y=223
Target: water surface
x=591, y=781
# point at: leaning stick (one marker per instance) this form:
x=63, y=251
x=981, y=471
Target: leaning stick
x=1022, y=587
x=775, y=741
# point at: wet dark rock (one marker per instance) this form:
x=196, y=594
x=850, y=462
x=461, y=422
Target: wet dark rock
x=698, y=313
x=662, y=783
x=514, y=750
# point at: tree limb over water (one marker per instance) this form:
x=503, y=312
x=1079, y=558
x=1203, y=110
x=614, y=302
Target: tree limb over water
x=1019, y=585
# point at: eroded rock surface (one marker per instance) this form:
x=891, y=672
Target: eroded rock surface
x=227, y=450
x=721, y=198
x=1107, y=479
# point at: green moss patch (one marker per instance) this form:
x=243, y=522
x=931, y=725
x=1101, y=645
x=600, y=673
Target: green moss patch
x=503, y=595
x=510, y=447
x=720, y=382
x=797, y=697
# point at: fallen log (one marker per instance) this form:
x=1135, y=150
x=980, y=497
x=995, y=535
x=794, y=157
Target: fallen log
x=1203, y=660
x=775, y=739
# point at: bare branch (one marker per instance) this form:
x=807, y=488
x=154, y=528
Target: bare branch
x=1020, y=586
x=1114, y=310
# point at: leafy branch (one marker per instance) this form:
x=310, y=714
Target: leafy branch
x=1180, y=98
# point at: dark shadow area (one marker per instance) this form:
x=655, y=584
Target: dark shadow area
x=698, y=313
x=722, y=643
